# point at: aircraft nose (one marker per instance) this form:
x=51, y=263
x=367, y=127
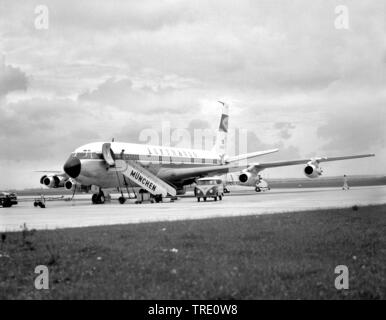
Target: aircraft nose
x=72, y=167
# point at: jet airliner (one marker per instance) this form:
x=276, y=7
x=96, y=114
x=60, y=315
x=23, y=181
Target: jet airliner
x=163, y=171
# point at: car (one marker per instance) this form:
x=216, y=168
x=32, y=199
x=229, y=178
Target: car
x=8, y=199
x=212, y=187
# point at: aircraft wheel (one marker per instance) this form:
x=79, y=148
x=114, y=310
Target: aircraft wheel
x=101, y=198
x=35, y=204
x=94, y=198
x=257, y=189
x=122, y=200
x=42, y=205
x=204, y=198
x=215, y=198
x=220, y=197
x=198, y=199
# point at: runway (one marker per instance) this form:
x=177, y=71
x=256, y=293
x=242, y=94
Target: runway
x=81, y=213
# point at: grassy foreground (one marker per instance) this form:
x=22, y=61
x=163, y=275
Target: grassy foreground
x=281, y=256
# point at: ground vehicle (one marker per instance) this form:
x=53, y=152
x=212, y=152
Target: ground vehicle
x=7, y=199
x=212, y=187
x=41, y=202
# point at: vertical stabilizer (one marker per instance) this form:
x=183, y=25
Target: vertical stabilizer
x=220, y=145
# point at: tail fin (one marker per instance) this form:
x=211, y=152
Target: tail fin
x=220, y=145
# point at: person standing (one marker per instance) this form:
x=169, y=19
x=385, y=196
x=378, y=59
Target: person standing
x=345, y=183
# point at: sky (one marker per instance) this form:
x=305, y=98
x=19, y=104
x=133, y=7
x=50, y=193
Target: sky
x=296, y=77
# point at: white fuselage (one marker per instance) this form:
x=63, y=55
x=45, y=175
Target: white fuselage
x=157, y=159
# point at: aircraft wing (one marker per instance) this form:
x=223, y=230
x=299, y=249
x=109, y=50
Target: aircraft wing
x=51, y=171
x=257, y=167
x=250, y=155
x=186, y=173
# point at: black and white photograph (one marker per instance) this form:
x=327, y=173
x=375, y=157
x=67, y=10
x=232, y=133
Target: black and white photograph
x=207, y=152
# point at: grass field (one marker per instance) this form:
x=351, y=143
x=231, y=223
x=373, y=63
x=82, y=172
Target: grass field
x=281, y=256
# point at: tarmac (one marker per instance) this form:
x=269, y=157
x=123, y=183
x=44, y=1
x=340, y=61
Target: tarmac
x=80, y=212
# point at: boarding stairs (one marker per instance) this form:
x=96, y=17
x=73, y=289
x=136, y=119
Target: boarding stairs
x=144, y=178
x=138, y=174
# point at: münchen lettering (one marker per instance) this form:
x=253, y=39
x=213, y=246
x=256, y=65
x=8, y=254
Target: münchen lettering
x=142, y=180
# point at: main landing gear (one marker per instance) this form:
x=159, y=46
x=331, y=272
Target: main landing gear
x=98, y=198
x=122, y=199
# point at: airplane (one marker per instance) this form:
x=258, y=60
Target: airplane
x=161, y=170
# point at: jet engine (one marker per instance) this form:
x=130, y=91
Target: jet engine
x=249, y=178
x=252, y=179
x=71, y=185
x=312, y=170
x=52, y=181
x=245, y=177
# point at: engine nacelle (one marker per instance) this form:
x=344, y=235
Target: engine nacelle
x=249, y=179
x=312, y=170
x=245, y=177
x=71, y=185
x=52, y=181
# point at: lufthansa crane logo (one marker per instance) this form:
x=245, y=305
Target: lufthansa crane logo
x=224, y=123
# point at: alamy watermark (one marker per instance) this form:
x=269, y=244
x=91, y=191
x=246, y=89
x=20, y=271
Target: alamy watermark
x=201, y=139
x=342, y=20
x=41, y=21
x=342, y=280
x=42, y=280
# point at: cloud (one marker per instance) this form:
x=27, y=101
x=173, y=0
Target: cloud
x=42, y=128
x=284, y=129
x=362, y=130
x=12, y=79
x=122, y=94
x=114, y=69
x=198, y=124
